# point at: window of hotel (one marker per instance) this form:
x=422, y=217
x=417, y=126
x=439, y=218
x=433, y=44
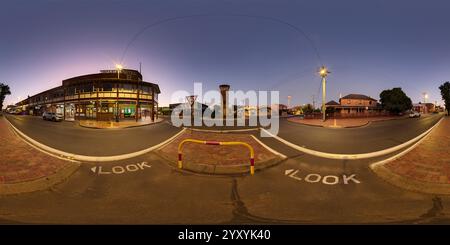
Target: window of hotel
x=128, y=87
x=70, y=91
x=107, y=86
x=87, y=88
x=146, y=89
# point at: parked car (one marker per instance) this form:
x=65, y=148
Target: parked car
x=414, y=114
x=52, y=116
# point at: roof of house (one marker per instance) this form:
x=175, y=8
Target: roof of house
x=358, y=97
x=332, y=102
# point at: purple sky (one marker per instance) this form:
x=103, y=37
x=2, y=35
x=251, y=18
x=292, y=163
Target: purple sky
x=368, y=45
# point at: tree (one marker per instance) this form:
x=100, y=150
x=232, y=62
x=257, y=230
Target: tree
x=4, y=90
x=445, y=93
x=395, y=100
x=308, y=109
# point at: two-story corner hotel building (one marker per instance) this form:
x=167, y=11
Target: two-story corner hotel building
x=106, y=96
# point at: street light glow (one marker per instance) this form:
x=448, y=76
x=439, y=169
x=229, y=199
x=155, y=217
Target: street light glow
x=119, y=67
x=323, y=71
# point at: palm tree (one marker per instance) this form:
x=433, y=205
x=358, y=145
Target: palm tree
x=4, y=90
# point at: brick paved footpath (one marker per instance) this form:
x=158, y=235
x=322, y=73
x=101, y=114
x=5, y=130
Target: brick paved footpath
x=426, y=168
x=24, y=168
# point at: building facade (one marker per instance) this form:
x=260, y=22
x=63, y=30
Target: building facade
x=424, y=107
x=105, y=96
x=354, y=105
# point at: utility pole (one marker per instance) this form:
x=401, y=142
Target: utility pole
x=314, y=102
x=323, y=73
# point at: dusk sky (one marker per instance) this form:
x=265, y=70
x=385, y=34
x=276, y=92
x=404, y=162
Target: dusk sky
x=369, y=46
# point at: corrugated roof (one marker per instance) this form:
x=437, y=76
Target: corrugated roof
x=358, y=97
x=332, y=102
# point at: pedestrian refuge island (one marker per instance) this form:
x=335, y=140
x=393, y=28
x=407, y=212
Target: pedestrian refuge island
x=224, y=143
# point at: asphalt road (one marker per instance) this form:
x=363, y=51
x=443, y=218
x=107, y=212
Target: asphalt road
x=71, y=138
x=373, y=137
x=302, y=189
x=160, y=194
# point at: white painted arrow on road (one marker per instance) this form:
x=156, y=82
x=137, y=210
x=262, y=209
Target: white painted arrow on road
x=286, y=172
x=291, y=173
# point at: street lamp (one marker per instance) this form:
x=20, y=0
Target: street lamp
x=119, y=68
x=323, y=72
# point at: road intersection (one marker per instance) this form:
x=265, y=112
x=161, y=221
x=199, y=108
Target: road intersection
x=301, y=189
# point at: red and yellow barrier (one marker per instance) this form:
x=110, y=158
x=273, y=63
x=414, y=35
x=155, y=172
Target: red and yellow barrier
x=205, y=142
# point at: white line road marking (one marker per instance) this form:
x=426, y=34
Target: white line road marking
x=121, y=169
x=352, y=156
x=71, y=156
x=268, y=148
x=326, y=180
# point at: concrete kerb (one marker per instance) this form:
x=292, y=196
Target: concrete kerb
x=131, y=126
x=238, y=169
x=219, y=170
x=408, y=183
x=341, y=127
x=40, y=183
x=84, y=158
x=352, y=156
x=222, y=131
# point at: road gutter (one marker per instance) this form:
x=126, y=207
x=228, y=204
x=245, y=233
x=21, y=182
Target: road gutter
x=351, y=156
x=70, y=156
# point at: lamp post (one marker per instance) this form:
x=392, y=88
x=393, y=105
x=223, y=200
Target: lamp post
x=323, y=72
x=119, y=68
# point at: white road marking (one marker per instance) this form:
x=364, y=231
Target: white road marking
x=121, y=169
x=326, y=180
x=292, y=175
x=268, y=148
x=286, y=172
x=71, y=156
x=352, y=156
x=334, y=177
x=351, y=177
x=379, y=163
x=316, y=178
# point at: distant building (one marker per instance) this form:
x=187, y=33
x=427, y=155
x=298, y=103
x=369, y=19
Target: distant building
x=424, y=107
x=354, y=105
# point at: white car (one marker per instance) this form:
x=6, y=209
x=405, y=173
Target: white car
x=414, y=114
x=52, y=116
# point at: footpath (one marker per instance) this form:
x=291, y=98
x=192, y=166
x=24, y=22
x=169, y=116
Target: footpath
x=24, y=168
